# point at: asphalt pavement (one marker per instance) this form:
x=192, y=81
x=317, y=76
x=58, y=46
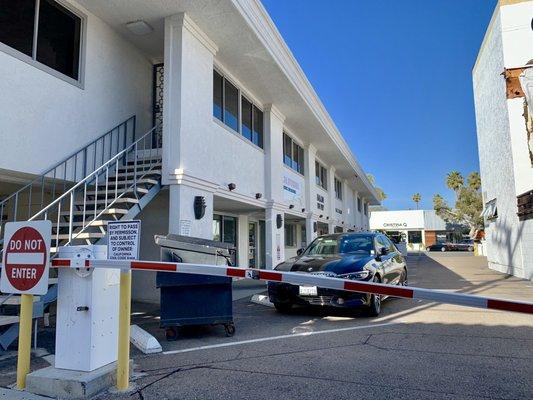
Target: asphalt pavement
x=413, y=350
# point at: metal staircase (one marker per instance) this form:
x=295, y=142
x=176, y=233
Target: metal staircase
x=112, y=178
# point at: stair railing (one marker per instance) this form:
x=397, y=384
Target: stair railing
x=88, y=199
x=44, y=189
x=91, y=197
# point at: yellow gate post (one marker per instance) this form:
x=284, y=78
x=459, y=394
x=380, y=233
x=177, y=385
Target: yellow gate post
x=123, y=362
x=24, y=350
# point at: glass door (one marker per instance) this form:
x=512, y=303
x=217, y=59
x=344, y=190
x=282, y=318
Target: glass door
x=252, y=245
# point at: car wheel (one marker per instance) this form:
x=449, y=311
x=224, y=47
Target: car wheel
x=374, y=308
x=403, y=279
x=470, y=248
x=283, y=307
x=443, y=248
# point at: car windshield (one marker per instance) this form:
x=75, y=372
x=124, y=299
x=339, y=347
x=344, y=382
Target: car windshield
x=356, y=244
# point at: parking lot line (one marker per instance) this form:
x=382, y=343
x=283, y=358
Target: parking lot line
x=270, y=338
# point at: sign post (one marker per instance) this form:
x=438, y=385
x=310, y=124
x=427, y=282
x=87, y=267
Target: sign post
x=26, y=261
x=123, y=244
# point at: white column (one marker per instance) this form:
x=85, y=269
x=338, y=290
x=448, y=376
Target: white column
x=331, y=199
x=242, y=237
x=273, y=141
x=310, y=192
x=188, y=91
x=182, y=220
x=275, y=237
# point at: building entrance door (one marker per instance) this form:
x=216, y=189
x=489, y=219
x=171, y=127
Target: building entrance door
x=252, y=245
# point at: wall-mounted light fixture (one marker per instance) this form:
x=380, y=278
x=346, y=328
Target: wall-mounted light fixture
x=232, y=186
x=199, y=207
x=279, y=221
x=327, y=217
x=258, y=195
x=320, y=216
x=303, y=209
x=291, y=206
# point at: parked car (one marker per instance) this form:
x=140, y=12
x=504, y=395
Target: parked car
x=370, y=257
x=465, y=245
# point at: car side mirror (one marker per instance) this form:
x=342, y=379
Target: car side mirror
x=383, y=251
x=299, y=252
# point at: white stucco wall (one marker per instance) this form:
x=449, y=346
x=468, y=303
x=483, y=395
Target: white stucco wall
x=495, y=154
x=45, y=116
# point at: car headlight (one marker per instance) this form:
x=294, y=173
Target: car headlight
x=356, y=275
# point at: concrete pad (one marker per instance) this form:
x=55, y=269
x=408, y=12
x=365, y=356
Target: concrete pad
x=68, y=384
x=14, y=394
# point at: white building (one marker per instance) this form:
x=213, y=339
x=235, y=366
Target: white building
x=417, y=228
x=505, y=138
x=244, y=139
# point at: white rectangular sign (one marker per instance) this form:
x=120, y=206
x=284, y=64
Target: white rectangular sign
x=123, y=240
x=26, y=257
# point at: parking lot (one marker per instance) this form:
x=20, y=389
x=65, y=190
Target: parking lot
x=414, y=349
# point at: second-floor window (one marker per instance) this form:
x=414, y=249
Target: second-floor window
x=338, y=189
x=293, y=154
x=226, y=99
x=45, y=31
x=321, y=175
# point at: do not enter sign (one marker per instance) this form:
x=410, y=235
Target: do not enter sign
x=26, y=257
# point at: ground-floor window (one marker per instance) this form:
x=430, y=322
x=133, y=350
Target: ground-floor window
x=290, y=235
x=338, y=229
x=414, y=237
x=225, y=230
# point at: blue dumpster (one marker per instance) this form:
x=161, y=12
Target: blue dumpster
x=190, y=299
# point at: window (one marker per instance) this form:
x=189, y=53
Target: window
x=491, y=211
x=293, y=154
x=338, y=189
x=359, y=205
x=290, y=235
x=217, y=95
x=226, y=97
x=231, y=106
x=321, y=175
x=414, y=237
x=365, y=205
x=56, y=29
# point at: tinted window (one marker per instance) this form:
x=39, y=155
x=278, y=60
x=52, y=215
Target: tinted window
x=17, y=19
x=58, y=39
x=217, y=95
x=355, y=244
x=246, y=109
x=287, y=150
x=257, y=135
x=231, y=106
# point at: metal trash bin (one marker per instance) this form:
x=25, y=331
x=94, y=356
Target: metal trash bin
x=190, y=299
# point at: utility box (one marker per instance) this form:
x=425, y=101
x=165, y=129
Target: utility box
x=87, y=312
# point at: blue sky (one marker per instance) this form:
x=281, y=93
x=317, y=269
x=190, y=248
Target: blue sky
x=396, y=78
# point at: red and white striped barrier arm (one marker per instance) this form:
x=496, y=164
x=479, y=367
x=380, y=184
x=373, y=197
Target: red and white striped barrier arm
x=305, y=279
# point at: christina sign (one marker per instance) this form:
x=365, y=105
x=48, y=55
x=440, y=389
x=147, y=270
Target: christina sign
x=397, y=220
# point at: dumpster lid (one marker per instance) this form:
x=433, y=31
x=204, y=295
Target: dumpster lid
x=172, y=241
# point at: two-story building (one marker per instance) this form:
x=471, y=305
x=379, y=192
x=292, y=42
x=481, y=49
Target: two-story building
x=192, y=116
x=505, y=137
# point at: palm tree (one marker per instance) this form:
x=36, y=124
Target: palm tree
x=474, y=181
x=455, y=181
x=416, y=198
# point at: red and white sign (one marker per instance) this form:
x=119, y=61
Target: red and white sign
x=26, y=257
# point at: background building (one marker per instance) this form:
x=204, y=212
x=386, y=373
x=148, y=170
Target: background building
x=505, y=138
x=417, y=228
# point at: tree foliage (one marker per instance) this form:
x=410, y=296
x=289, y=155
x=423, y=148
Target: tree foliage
x=381, y=193
x=468, y=203
x=417, y=198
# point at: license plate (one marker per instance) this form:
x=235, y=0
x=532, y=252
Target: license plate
x=308, y=291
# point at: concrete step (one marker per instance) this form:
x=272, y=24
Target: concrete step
x=77, y=224
x=78, y=236
x=120, y=190
x=122, y=200
x=142, y=181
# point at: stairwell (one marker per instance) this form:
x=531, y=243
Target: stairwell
x=111, y=179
